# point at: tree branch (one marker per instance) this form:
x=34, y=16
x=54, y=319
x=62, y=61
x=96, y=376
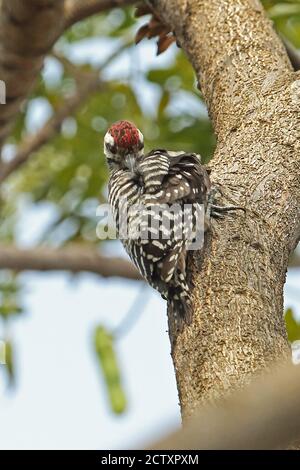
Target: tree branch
x=87, y=84
x=51, y=128
x=76, y=10
x=253, y=98
x=263, y=416
x=28, y=30
x=75, y=259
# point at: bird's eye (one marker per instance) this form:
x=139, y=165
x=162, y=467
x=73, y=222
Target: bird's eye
x=141, y=145
x=111, y=148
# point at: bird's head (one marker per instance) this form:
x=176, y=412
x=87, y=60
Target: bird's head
x=123, y=146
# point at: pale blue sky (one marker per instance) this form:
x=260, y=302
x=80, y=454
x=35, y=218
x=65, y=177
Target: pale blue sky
x=60, y=400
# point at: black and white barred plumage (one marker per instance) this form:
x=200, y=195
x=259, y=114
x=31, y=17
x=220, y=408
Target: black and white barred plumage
x=142, y=189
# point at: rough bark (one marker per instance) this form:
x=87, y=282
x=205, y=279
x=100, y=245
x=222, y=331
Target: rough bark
x=263, y=416
x=253, y=99
x=75, y=259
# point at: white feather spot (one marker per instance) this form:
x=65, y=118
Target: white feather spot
x=141, y=137
x=108, y=139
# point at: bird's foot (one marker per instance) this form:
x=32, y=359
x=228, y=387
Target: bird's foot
x=215, y=211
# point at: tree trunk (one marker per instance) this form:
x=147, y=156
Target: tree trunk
x=253, y=98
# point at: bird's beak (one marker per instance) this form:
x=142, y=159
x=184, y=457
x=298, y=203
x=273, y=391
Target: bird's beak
x=130, y=162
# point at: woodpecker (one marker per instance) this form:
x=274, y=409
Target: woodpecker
x=159, y=198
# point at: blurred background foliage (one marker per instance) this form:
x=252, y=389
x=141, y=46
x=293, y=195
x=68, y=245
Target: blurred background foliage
x=69, y=171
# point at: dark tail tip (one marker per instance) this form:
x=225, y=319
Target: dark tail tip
x=181, y=313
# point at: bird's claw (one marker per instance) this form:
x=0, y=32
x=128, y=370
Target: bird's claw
x=216, y=211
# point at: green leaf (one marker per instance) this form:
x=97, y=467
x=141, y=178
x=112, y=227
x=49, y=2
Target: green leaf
x=292, y=326
x=8, y=309
x=165, y=99
x=104, y=347
x=9, y=287
x=284, y=9
x=286, y=18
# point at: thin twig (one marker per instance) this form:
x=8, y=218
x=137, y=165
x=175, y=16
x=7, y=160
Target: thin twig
x=92, y=84
x=48, y=131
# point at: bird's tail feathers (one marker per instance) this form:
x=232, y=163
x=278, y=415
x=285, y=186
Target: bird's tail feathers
x=180, y=310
